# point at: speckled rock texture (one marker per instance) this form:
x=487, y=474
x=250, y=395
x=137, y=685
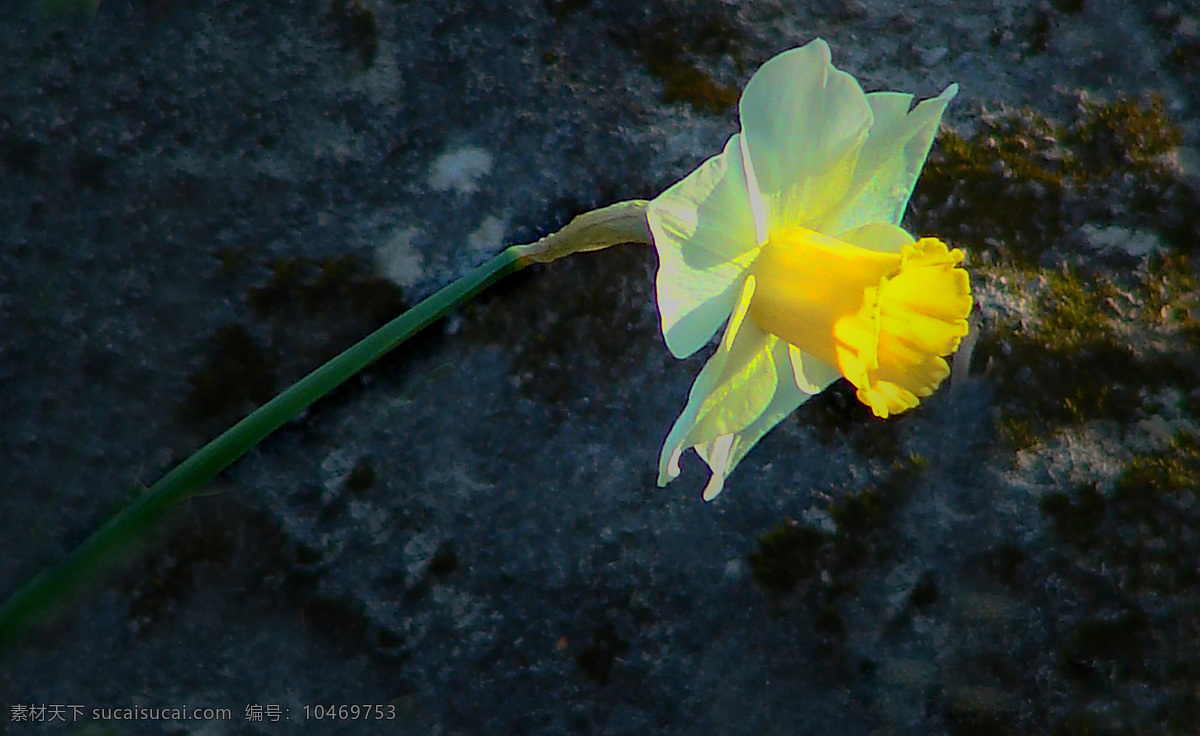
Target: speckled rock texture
x=201, y=201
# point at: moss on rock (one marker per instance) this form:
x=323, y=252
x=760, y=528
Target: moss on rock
x=1137, y=560
x=1065, y=365
x=671, y=50
x=792, y=553
x=1021, y=183
x=308, y=310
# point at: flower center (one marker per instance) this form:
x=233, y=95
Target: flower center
x=883, y=319
x=811, y=287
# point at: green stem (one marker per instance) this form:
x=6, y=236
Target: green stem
x=618, y=223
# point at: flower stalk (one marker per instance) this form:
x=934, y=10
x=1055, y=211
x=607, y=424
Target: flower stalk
x=612, y=225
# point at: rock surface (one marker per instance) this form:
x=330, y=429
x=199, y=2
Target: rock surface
x=199, y=202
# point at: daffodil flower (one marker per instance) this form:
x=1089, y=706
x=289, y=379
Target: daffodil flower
x=791, y=238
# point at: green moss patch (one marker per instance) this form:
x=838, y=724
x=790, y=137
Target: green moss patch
x=1172, y=290
x=1067, y=363
x=1064, y=367
x=672, y=44
x=1000, y=191
x=1016, y=187
x=305, y=312
x=837, y=412
x=1123, y=135
x=1150, y=482
x=356, y=28
x=1111, y=607
x=238, y=375
x=787, y=554
x=792, y=553
x=1137, y=560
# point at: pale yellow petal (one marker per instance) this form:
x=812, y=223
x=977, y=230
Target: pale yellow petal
x=704, y=231
x=880, y=236
x=812, y=375
x=890, y=160
x=723, y=394
x=745, y=389
x=804, y=123
x=747, y=380
x=788, y=396
x=710, y=376
x=732, y=389
x=715, y=454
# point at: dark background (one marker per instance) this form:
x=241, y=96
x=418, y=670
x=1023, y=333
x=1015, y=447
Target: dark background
x=201, y=201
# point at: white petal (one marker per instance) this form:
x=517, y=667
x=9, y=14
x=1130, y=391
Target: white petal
x=812, y=375
x=785, y=401
x=676, y=442
x=716, y=456
x=682, y=433
x=747, y=380
x=672, y=468
x=757, y=206
x=890, y=160
x=804, y=123
x=880, y=236
x=745, y=389
x=705, y=235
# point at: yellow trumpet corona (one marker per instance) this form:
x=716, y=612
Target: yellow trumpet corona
x=883, y=319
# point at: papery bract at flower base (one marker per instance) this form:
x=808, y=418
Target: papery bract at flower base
x=791, y=237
